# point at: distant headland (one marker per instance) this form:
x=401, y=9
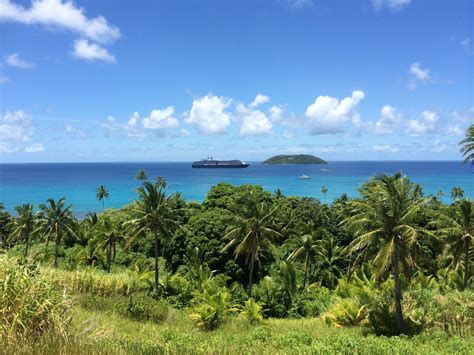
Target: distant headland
x=295, y=159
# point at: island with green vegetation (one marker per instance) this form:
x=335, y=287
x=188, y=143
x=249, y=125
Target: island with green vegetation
x=294, y=159
x=245, y=271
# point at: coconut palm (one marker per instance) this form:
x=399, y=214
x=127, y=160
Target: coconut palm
x=24, y=225
x=141, y=175
x=56, y=219
x=252, y=232
x=305, y=249
x=467, y=149
x=324, y=190
x=102, y=194
x=384, y=223
x=329, y=263
x=154, y=214
x=108, y=235
x=458, y=227
x=457, y=193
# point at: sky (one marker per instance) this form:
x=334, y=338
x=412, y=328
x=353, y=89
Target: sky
x=93, y=81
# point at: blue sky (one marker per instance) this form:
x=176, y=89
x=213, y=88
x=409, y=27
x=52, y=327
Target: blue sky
x=182, y=80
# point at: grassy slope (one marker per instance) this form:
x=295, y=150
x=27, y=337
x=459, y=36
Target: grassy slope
x=107, y=332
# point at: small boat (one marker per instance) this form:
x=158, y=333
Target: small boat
x=304, y=177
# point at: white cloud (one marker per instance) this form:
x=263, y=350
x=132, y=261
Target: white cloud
x=299, y=4
x=389, y=121
x=288, y=134
x=419, y=75
x=425, y=124
x=276, y=113
x=454, y=130
x=259, y=100
x=14, y=60
x=34, y=148
x=184, y=133
x=16, y=126
x=209, y=114
x=327, y=115
x=83, y=49
x=133, y=127
x=161, y=119
x=386, y=148
x=466, y=43
x=392, y=4
x=62, y=15
x=255, y=123
x=74, y=132
x=7, y=148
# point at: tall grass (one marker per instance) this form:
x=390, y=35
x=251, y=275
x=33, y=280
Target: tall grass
x=30, y=305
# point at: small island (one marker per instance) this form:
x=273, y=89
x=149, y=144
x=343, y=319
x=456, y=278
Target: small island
x=295, y=159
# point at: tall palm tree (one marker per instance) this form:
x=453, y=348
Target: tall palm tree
x=108, y=236
x=56, y=219
x=324, y=190
x=141, y=175
x=467, y=149
x=440, y=193
x=252, y=232
x=154, y=214
x=457, y=193
x=102, y=194
x=384, y=222
x=329, y=263
x=459, y=228
x=305, y=249
x=24, y=225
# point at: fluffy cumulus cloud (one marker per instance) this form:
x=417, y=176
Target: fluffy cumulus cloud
x=328, y=115
x=210, y=114
x=454, y=130
x=161, y=119
x=276, y=113
x=65, y=15
x=133, y=127
x=391, y=4
x=390, y=120
x=425, y=124
x=59, y=14
x=419, y=75
x=16, y=126
x=14, y=60
x=83, y=49
x=259, y=100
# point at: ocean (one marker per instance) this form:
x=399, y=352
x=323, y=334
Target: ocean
x=78, y=182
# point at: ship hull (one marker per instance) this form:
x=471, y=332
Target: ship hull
x=216, y=166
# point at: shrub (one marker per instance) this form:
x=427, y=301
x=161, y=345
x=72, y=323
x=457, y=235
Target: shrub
x=251, y=311
x=347, y=312
x=383, y=321
x=30, y=305
x=143, y=307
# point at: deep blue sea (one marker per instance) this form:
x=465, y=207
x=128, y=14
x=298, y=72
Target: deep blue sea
x=78, y=182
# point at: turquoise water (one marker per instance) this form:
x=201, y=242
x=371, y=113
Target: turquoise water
x=34, y=183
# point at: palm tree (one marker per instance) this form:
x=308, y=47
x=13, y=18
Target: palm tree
x=440, y=193
x=56, y=219
x=252, y=233
x=141, y=175
x=108, y=236
x=459, y=228
x=324, y=190
x=329, y=261
x=384, y=222
x=4, y=224
x=306, y=248
x=102, y=194
x=457, y=193
x=24, y=224
x=467, y=149
x=154, y=214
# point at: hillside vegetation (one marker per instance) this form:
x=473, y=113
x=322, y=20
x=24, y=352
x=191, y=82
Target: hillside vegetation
x=294, y=159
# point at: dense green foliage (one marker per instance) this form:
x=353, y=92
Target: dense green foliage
x=390, y=263
x=294, y=159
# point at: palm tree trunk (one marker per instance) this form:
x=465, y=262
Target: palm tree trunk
x=398, y=289
x=252, y=262
x=305, y=270
x=27, y=244
x=109, y=257
x=156, y=262
x=466, y=265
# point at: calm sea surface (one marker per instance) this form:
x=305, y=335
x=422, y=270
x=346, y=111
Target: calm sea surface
x=34, y=183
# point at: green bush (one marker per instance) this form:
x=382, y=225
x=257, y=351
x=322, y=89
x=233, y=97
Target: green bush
x=347, y=312
x=143, y=307
x=251, y=311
